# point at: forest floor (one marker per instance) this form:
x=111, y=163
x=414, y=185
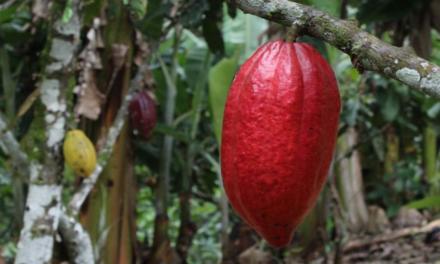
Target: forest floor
x=409, y=239
x=406, y=245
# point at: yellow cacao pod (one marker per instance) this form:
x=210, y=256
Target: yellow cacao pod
x=79, y=153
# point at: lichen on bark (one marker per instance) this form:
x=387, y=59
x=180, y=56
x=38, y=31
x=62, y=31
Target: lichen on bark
x=43, y=205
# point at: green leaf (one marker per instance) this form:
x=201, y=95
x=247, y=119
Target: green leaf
x=387, y=10
x=195, y=59
x=390, y=106
x=8, y=14
x=379, y=147
x=137, y=7
x=427, y=202
x=211, y=29
x=220, y=78
x=350, y=113
x=194, y=13
x=171, y=131
x=68, y=12
x=331, y=7
x=316, y=43
x=434, y=110
x=151, y=24
x=244, y=30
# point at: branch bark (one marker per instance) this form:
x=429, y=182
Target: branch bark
x=43, y=205
x=105, y=152
x=366, y=51
x=76, y=239
x=140, y=80
x=11, y=147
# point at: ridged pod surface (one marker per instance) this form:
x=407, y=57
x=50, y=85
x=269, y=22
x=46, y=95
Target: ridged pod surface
x=279, y=131
x=79, y=153
x=143, y=114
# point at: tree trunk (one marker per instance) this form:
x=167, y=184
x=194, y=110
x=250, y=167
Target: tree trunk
x=349, y=177
x=44, y=200
x=109, y=212
x=392, y=151
x=430, y=158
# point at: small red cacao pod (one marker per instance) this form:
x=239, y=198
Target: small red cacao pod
x=279, y=131
x=143, y=116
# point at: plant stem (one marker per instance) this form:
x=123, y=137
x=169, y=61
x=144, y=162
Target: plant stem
x=187, y=227
x=161, y=239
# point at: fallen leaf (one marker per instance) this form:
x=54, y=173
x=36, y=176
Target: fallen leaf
x=408, y=217
x=253, y=255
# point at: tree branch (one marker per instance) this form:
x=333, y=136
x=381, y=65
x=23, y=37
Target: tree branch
x=11, y=147
x=21, y=168
x=76, y=240
x=104, y=153
x=7, y=4
x=74, y=236
x=43, y=204
x=366, y=51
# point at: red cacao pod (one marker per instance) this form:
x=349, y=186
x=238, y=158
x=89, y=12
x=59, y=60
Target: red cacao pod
x=143, y=116
x=279, y=131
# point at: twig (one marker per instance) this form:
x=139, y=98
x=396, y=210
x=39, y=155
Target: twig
x=11, y=147
x=205, y=197
x=339, y=215
x=367, y=51
x=105, y=152
x=21, y=167
x=7, y=4
x=222, y=203
x=76, y=239
x=360, y=243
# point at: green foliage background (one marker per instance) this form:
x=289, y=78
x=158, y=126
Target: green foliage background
x=216, y=39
